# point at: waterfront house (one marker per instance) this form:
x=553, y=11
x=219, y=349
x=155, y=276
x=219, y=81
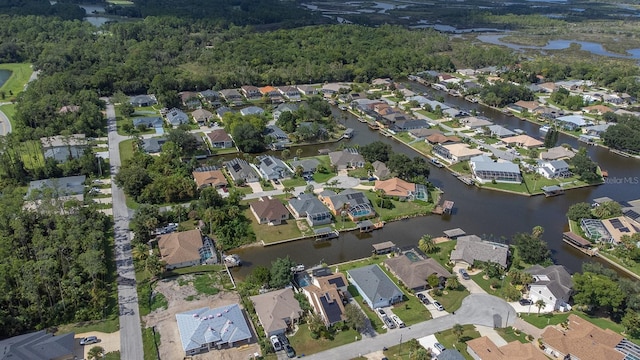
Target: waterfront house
x=548, y=87
x=326, y=295
x=618, y=227
x=283, y=108
x=184, y=249
x=309, y=166
x=596, y=130
x=375, y=287
x=422, y=133
x=473, y=122
x=485, y=170
x=347, y=158
x=441, y=139
x=278, y=139
x=154, y=122
x=207, y=329
x=222, y=110
x=401, y=189
x=471, y=248
x=202, y=116
x=240, y=170
x=177, y=117
x=530, y=106
x=582, y=340
x=213, y=178
x=554, y=169
x=499, y=131
x=573, y=122
x=380, y=170
x=454, y=153
x=355, y=203
x=334, y=88
x=62, y=148
x=272, y=168
x=308, y=90
x=219, y=139
x=143, y=100
x=39, y=345
x=251, y=110
x=290, y=92
x=278, y=311
x=557, y=153
x=406, y=125
x=269, y=211
x=190, y=99
x=483, y=348
x=309, y=207
x=414, y=271
x=153, y=145
x=251, y=92
x=551, y=284
x=232, y=96
x=595, y=230
x=597, y=109
x=523, y=140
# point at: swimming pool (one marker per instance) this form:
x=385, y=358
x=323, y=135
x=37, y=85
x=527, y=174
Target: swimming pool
x=412, y=256
x=303, y=279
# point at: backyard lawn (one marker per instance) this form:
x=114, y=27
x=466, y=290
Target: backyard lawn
x=453, y=299
x=303, y=343
x=444, y=252
x=20, y=73
x=544, y=319
x=401, y=208
x=509, y=335
x=450, y=341
x=269, y=234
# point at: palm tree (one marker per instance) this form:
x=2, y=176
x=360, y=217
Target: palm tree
x=140, y=252
x=537, y=232
x=453, y=283
x=540, y=304
x=458, y=331
x=426, y=244
x=95, y=353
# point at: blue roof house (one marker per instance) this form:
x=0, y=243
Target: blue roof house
x=273, y=168
x=374, y=285
x=176, y=117
x=309, y=207
x=204, y=329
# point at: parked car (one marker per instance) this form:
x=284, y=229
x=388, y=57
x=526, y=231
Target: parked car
x=290, y=352
x=89, y=340
x=438, y=306
x=390, y=324
x=439, y=346
x=397, y=320
x=275, y=342
x=464, y=274
x=421, y=297
x=525, y=302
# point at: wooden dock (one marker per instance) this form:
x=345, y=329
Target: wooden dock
x=445, y=208
x=579, y=243
x=366, y=226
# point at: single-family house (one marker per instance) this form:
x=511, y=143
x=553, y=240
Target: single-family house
x=209, y=95
x=308, y=90
x=454, y=153
x=617, y=227
x=232, y=96
x=551, y=284
x=595, y=230
x=272, y=94
x=471, y=248
x=177, y=117
x=384, y=83
x=240, y=170
x=143, y=100
x=530, y=106
x=406, y=125
x=222, y=110
x=355, y=203
x=473, y=122
x=252, y=110
x=272, y=168
x=347, y=158
x=485, y=170
x=452, y=113
x=375, y=287
x=596, y=130
x=183, y=249
x=219, y=139
x=202, y=116
x=414, y=273
x=213, y=178
x=439, y=138
x=283, y=108
x=148, y=122
x=278, y=311
x=269, y=211
x=380, y=170
x=251, y=92
x=397, y=187
x=573, y=122
x=309, y=166
x=39, y=345
x=483, y=348
x=326, y=295
x=153, y=145
x=309, y=207
x=278, y=139
x=423, y=133
x=548, y=87
x=190, y=99
x=62, y=148
x=207, y=329
x=499, y=131
x=334, y=88
x=449, y=354
x=597, y=109
x=557, y=153
x=553, y=169
x=61, y=188
x=290, y=92
x=582, y=340
x=523, y=140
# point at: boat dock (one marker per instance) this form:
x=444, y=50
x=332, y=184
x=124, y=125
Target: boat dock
x=445, y=208
x=579, y=243
x=619, y=152
x=384, y=247
x=366, y=226
x=553, y=190
x=373, y=126
x=325, y=233
x=454, y=233
x=348, y=134
x=468, y=180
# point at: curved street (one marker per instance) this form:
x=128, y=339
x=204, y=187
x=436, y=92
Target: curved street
x=130, y=325
x=477, y=309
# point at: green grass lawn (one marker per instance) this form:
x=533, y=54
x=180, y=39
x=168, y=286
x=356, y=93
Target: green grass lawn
x=293, y=182
x=404, y=137
x=376, y=323
x=544, y=319
x=269, y=234
x=428, y=114
x=114, y=355
x=120, y=2
x=404, y=351
x=422, y=147
x=323, y=177
x=358, y=173
x=106, y=326
x=217, y=151
x=401, y=208
x=10, y=111
x=20, y=73
x=461, y=167
x=150, y=343
x=450, y=341
x=626, y=263
x=509, y=335
x=453, y=299
x=206, y=284
x=31, y=154
x=303, y=343
x=411, y=311
x=126, y=150
x=500, y=291
x=444, y=253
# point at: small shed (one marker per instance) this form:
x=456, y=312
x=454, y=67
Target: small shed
x=365, y=226
x=454, y=233
x=384, y=247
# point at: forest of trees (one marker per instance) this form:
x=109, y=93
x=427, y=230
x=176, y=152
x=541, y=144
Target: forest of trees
x=56, y=266
x=503, y=93
x=625, y=135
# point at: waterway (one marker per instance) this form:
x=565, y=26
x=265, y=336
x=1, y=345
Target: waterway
x=4, y=76
x=490, y=214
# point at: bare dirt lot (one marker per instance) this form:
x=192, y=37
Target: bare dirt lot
x=178, y=297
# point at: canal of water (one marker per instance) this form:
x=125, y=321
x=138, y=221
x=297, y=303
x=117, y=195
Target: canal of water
x=490, y=214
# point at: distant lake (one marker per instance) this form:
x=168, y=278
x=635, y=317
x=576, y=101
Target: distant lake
x=4, y=76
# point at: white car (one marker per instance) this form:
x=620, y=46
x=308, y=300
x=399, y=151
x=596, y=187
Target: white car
x=89, y=340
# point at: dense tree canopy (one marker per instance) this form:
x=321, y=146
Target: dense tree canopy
x=503, y=93
x=625, y=135
x=532, y=249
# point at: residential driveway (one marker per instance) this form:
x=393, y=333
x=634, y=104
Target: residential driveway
x=491, y=334
x=255, y=187
x=427, y=342
x=108, y=341
x=476, y=309
x=469, y=284
x=345, y=182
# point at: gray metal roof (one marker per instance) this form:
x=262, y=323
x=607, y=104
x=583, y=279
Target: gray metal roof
x=38, y=345
x=223, y=325
x=64, y=186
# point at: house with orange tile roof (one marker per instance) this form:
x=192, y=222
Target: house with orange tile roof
x=597, y=109
x=442, y=139
x=399, y=188
x=483, y=348
x=214, y=178
x=183, y=249
x=523, y=140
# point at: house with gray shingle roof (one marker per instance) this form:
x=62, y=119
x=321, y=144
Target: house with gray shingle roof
x=309, y=207
x=552, y=284
x=347, y=158
x=61, y=187
x=269, y=211
x=309, y=166
x=202, y=116
x=252, y=110
x=271, y=168
x=153, y=145
x=472, y=248
x=375, y=287
x=500, y=131
x=143, y=100
x=414, y=273
x=241, y=170
x=277, y=310
x=283, y=108
x=207, y=329
x=148, y=122
x=62, y=148
x=222, y=110
x=39, y=345
x=380, y=170
x=176, y=117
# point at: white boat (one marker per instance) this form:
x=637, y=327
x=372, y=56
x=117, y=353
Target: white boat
x=232, y=260
x=544, y=129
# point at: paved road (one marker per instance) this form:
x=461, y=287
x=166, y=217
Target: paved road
x=476, y=309
x=130, y=326
x=5, y=125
